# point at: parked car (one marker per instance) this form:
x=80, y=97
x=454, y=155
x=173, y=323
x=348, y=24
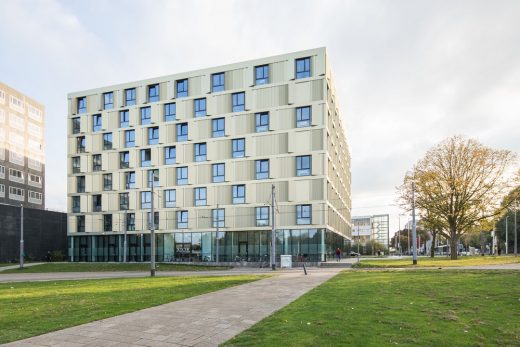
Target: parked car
x=354, y=254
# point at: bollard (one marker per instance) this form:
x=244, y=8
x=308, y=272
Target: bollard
x=304, y=269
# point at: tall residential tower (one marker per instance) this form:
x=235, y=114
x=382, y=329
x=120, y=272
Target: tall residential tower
x=213, y=142
x=22, y=149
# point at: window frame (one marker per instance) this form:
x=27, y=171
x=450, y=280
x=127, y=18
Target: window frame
x=215, y=127
x=168, y=115
x=124, y=164
x=303, y=171
x=107, y=182
x=200, y=196
x=108, y=143
x=182, y=219
x=260, y=117
x=306, y=72
x=238, y=153
x=218, y=178
x=259, y=213
x=304, y=214
x=184, y=92
x=264, y=78
x=145, y=199
x=236, y=197
x=108, y=104
x=218, y=87
x=154, y=93
x=145, y=151
x=218, y=217
x=303, y=122
x=236, y=106
x=124, y=118
x=200, y=151
x=146, y=115
x=153, y=135
x=133, y=97
x=200, y=107
x=168, y=203
x=180, y=179
x=178, y=129
x=168, y=159
x=260, y=166
x=130, y=138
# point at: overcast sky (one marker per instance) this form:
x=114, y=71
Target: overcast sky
x=408, y=73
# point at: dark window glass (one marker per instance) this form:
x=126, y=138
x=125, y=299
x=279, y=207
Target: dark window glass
x=124, y=160
x=96, y=122
x=170, y=155
x=107, y=222
x=217, y=82
x=107, y=181
x=130, y=180
x=146, y=157
x=129, y=138
x=146, y=115
x=303, y=116
x=76, y=204
x=200, y=151
x=262, y=216
x=262, y=74
x=107, y=141
x=124, y=119
x=96, y=203
x=182, y=132
x=76, y=125
x=200, y=107
x=76, y=164
x=303, y=165
x=182, y=88
x=96, y=162
x=80, y=144
x=262, y=169
x=218, y=127
x=238, y=101
x=130, y=221
x=153, y=175
x=108, y=100
x=262, y=122
x=170, y=112
x=303, y=214
x=239, y=148
x=153, y=93
x=239, y=194
x=80, y=222
x=218, y=172
x=303, y=68
x=123, y=201
x=130, y=98
x=82, y=104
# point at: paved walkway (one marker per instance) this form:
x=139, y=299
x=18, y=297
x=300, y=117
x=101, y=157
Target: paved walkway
x=205, y=320
x=16, y=266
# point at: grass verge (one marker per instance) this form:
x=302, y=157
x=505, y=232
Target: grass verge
x=33, y=308
x=97, y=267
x=437, y=262
x=384, y=308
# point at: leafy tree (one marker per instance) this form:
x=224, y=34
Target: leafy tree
x=507, y=209
x=458, y=183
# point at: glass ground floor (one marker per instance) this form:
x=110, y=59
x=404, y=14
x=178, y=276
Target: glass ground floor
x=245, y=246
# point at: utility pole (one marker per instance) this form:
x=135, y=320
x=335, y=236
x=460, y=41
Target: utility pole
x=125, y=241
x=152, y=232
x=273, y=231
x=358, y=239
x=414, y=231
x=216, y=239
x=516, y=230
x=399, y=236
x=21, y=237
x=507, y=217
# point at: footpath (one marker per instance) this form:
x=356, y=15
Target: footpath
x=203, y=321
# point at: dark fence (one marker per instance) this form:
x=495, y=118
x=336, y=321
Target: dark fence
x=44, y=231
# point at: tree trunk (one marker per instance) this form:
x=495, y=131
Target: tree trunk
x=432, y=248
x=454, y=243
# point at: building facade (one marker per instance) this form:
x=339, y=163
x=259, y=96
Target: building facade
x=212, y=143
x=367, y=228
x=22, y=149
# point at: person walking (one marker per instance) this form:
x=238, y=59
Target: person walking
x=338, y=254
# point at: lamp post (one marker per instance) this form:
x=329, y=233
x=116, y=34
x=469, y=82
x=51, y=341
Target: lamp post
x=216, y=239
x=125, y=237
x=21, y=237
x=507, y=248
x=273, y=231
x=516, y=231
x=152, y=230
x=414, y=231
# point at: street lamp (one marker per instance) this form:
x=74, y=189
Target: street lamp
x=21, y=237
x=507, y=248
x=152, y=230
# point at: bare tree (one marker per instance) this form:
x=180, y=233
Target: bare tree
x=460, y=184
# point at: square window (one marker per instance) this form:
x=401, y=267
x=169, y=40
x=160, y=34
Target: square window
x=153, y=135
x=182, y=175
x=146, y=115
x=303, y=67
x=262, y=122
x=239, y=148
x=130, y=98
x=303, y=214
x=182, y=132
x=217, y=82
x=303, y=165
x=239, y=194
x=153, y=93
x=218, y=127
x=124, y=119
x=200, y=196
x=170, y=112
x=108, y=100
x=170, y=155
x=262, y=169
x=200, y=151
x=219, y=171
x=96, y=122
x=129, y=138
x=182, y=88
x=262, y=74
x=303, y=116
x=238, y=101
x=200, y=107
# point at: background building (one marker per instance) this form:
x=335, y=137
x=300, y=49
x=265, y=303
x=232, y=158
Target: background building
x=217, y=140
x=22, y=149
x=366, y=228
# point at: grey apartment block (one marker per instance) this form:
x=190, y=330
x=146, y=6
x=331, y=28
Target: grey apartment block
x=216, y=140
x=22, y=149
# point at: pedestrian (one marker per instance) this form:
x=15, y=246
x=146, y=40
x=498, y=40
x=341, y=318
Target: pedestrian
x=338, y=254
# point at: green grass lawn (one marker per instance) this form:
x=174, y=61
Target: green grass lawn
x=33, y=308
x=438, y=262
x=93, y=267
x=386, y=308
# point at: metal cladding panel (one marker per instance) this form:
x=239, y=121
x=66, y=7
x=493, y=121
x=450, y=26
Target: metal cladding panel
x=317, y=139
x=244, y=217
x=222, y=194
x=317, y=117
x=243, y=124
x=71, y=184
x=93, y=103
x=72, y=106
x=205, y=84
x=156, y=110
x=287, y=215
x=278, y=72
x=134, y=158
x=163, y=86
x=203, y=174
x=271, y=144
x=97, y=142
x=243, y=170
x=134, y=116
x=271, y=96
x=317, y=164
x=132, y=199
x=203, y=129
x=117, y=181
x=234, y=79
x=284, y=118
x=318, y=213
x=105, y=161
x=188, y=197
x=141, y=94
x=84, y=123
x=97, y=183
x=319, y=65
x=195, y=86
x=250, y=146
x=222, y=103
x=112, y=120
x=157, y=156
x=83, y=201
x=84, y=163
x=119, y=100
x=72, y=145
x=169, y=90
x=141, y=179
x=203, y=219
x=170, y=220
